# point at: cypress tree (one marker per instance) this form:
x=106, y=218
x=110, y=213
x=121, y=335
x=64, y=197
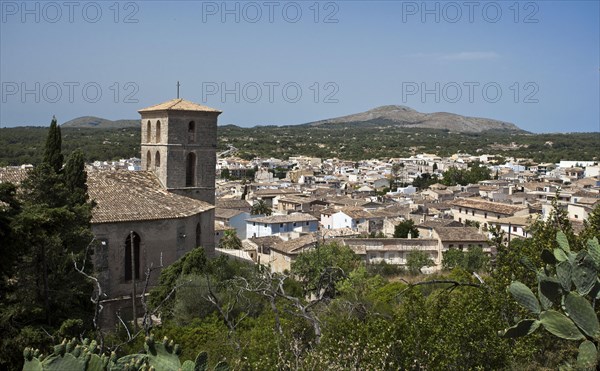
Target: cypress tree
x=52, y=153
x=76, y=177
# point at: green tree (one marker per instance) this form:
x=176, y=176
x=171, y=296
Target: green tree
x=225, y=174
x=50, y=230
x=453, y=258
x=53, y=150
x=261, y=208
x=416, y=260
x=322, y=267
x=404, y=228
x=230, y=240
x=75, y=177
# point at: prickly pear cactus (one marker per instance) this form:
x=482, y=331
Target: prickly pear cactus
x=69, y=355
x=562, y=311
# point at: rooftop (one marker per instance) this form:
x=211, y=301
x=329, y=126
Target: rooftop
x=123, y=195
x=479, y=204
x=179, y=104
x=296, y=217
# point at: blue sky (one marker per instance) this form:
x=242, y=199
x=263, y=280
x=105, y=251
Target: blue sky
x=532, y=63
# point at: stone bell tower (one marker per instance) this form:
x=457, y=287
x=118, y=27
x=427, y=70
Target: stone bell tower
x=179, y=144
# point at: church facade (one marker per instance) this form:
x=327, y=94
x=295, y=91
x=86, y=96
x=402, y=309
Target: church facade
x=150, y=218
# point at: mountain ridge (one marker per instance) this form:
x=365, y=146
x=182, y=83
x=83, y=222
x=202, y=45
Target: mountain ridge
x=99, y=122
x=388, y=115
x=404, y=116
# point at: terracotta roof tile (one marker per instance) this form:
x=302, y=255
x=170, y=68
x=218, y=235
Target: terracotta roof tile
x=296, y=217
x=123, y=195
x=178, y=105
x=12, y=175
x=495, y=207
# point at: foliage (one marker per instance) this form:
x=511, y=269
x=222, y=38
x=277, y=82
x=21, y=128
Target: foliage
x=225, y=174
x=404, y=228
x=52, y=153
x=48, y=222
x=425, y=180
x=472, y=260
x=261, y=208
x=230, y=240
x=69, y=355
x=563, y=310
x=322, y=267
x=352, y=141
x=416, y=260
x=472, y=175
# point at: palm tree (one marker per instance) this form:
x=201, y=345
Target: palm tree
x=261, y=208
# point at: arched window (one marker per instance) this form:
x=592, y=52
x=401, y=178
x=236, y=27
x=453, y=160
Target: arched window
x=190, y=170
x=198, y=235
x=148, y=161
x=192, y=132
x=157, y=131
x=148, y=132
x=128, y=256
x=157, y=160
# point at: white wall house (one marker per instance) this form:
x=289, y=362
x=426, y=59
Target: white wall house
x=281, y=224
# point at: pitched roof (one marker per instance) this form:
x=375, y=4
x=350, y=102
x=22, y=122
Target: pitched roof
x=123, y=195
x=227, y=213
x=178, y=105
x=232, y=204
x=296, y=217
x=460, y=234
x=13, y=175
x=479, y=204
x=296, y=245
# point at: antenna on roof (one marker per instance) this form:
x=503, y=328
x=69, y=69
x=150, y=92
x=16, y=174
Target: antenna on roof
x=178, y=85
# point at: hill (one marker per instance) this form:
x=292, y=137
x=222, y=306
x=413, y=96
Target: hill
x=407, y=117
x=98, y=122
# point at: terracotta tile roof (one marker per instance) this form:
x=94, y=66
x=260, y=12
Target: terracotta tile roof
x=296, y=217
x=523, y=220
x=178, y=105
x=123, y=195
x=12, y=175
x=275, y=192
x=226, y=213
x=233, y=204
x=357, y=213
x=297, y=245
x=460, y=234
x=436, y=223
x=479, y=204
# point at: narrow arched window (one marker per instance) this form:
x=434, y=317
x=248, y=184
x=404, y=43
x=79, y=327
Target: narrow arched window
x=157, y=160
x=132, y=241
x=190, y=170
x=198, y=235
x=192, y=132
x=157, y=131
x=148, y=161
x=148, y=132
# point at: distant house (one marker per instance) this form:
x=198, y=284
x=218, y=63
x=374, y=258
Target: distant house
x=283, y=253
x=434, y=242
x=484, y=212
x=516, y=226
x=234, y=204
x=234, y=219
x=281, y=224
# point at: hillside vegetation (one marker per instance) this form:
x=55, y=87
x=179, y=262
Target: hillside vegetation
x=353, y=141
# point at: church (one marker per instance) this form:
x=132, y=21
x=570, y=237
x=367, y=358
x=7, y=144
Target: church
x=151, y=218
